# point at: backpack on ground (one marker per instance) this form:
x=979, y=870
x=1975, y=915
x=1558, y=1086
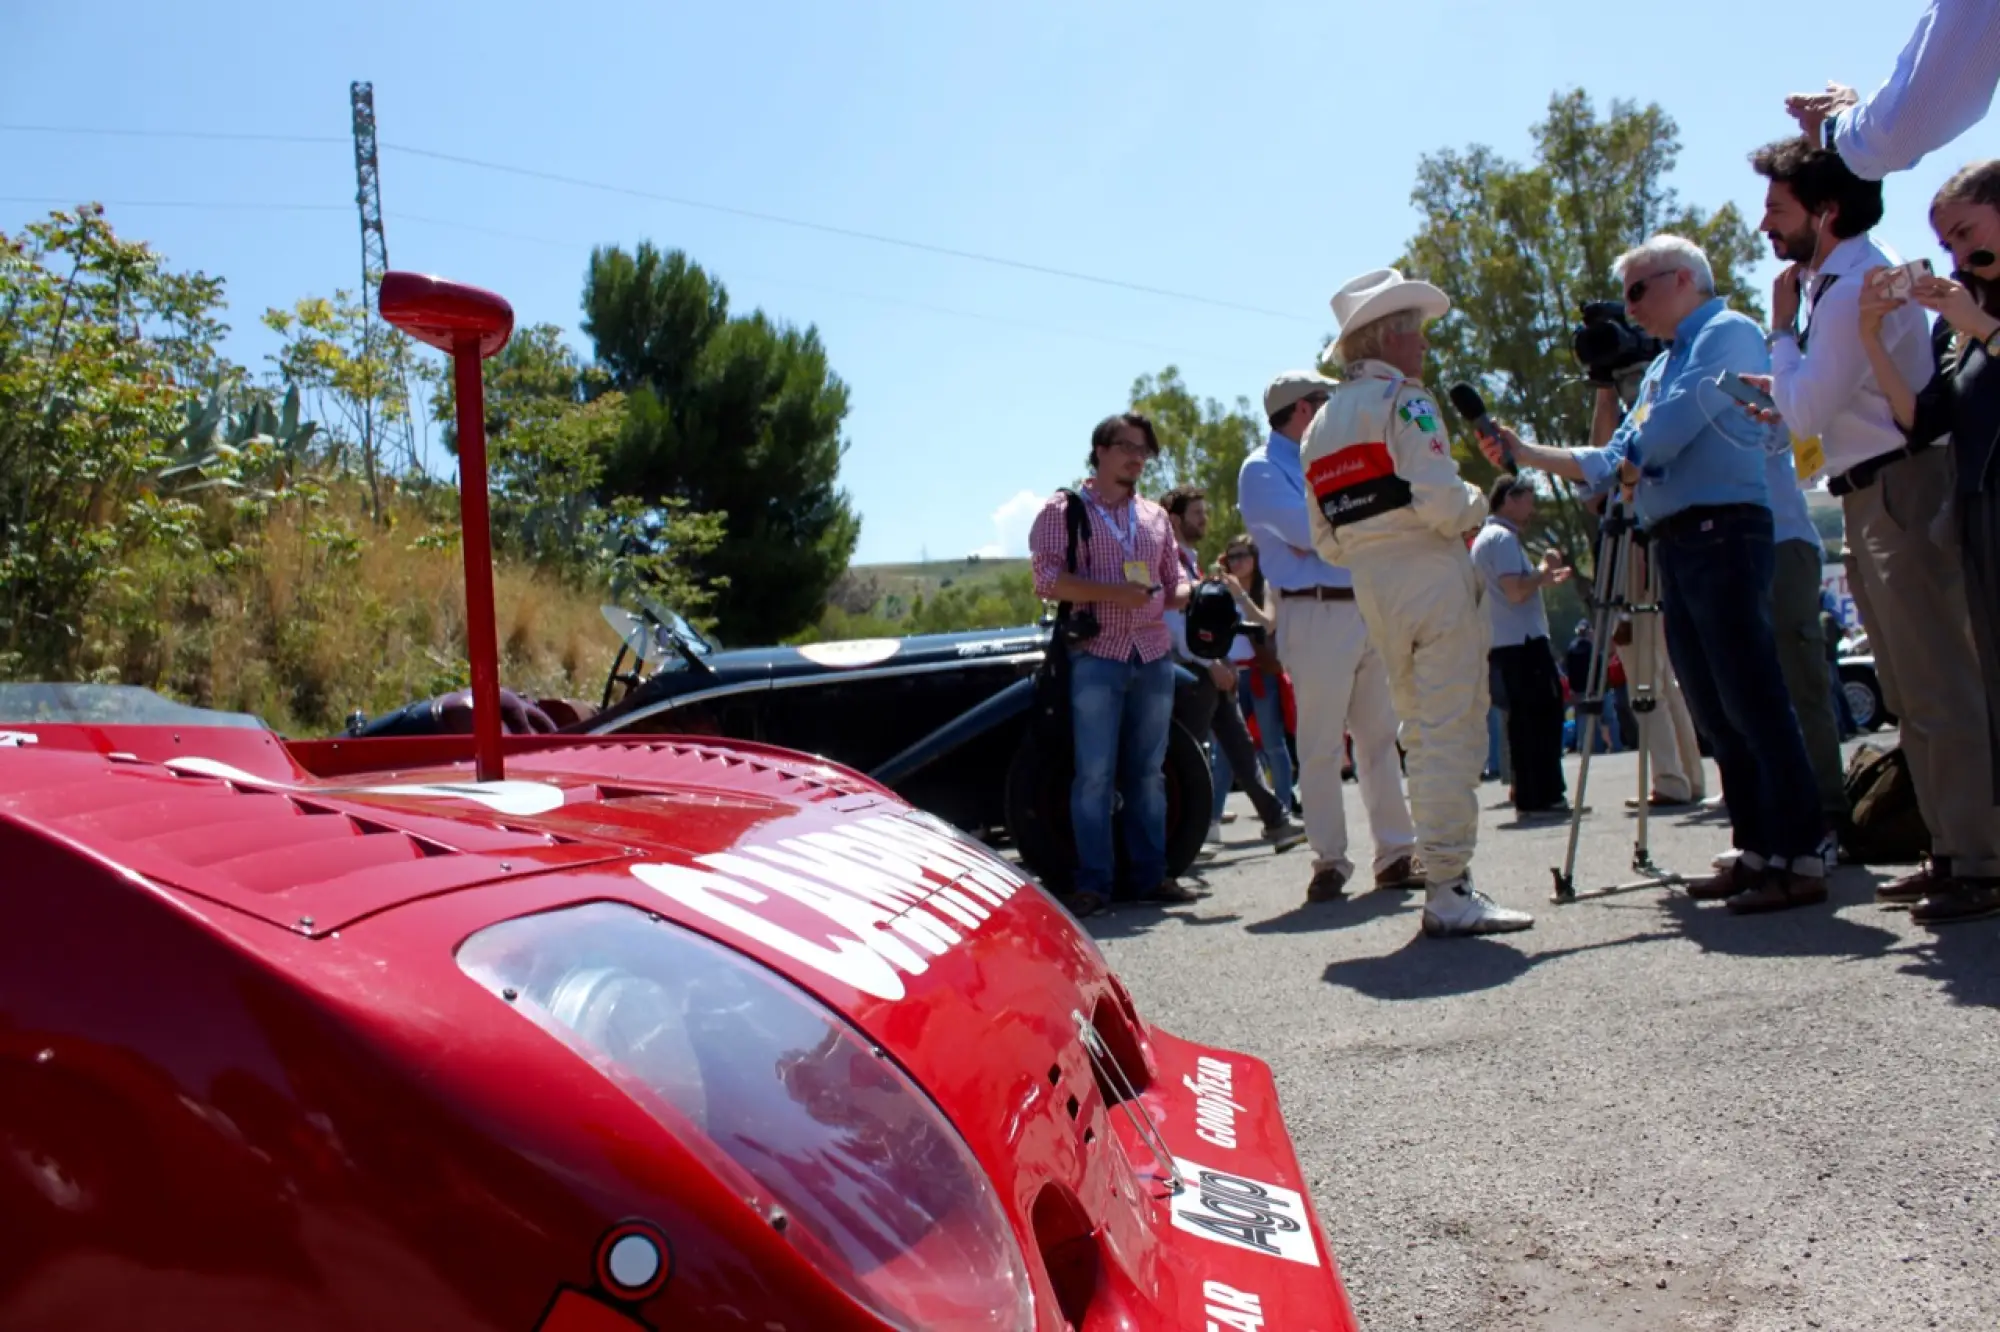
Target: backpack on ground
x=1887, y=827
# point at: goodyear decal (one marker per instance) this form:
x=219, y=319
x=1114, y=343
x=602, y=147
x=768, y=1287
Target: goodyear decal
x=1420, y=412
x=1215, y=1107
x=1227, y=1308
x=1244, y=1214
x=886, y=895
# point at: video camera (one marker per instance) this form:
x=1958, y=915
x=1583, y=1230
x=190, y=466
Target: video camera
x=1608, y=345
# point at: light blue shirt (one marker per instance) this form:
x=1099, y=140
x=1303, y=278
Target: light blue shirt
x=1271, y=496
x=1496, y=552
x=1942, y=87
x=1693, y=446
x=1791, y=520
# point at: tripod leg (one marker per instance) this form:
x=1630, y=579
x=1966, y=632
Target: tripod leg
x=1614, y=551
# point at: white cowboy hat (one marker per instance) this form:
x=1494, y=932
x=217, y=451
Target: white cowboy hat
x=1385, y=291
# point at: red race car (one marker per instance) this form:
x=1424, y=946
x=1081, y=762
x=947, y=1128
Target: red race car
x=568, y=1034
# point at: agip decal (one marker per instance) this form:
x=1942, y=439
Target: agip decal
x=886, y=895
x=1244, y=1214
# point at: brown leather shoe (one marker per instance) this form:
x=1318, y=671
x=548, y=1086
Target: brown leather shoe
x=1779, y=890
x=1329, y=885
x=1403, y=875
x=1173, y=890
x=1911, y=888
x=1951, y=901
x=1733, y=878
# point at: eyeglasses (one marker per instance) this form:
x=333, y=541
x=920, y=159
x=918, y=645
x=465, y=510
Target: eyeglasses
x=1235, y=555
x=1637, y=291
x=1129, y=445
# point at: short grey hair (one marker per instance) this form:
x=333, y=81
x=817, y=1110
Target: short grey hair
x=1663, y=252
x=1365, y=342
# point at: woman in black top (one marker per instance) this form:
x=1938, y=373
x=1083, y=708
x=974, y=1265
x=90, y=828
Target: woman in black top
x=1963, y=400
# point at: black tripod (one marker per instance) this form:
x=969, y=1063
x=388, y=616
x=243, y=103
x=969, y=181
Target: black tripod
x=1613, y=601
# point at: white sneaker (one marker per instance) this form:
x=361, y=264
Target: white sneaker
x=1215, y=833
x=1458, y=908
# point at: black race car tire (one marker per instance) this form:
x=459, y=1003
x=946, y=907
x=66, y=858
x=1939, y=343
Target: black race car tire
x=1038, y=787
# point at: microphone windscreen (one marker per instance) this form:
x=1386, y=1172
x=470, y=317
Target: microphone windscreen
x=1467, y=401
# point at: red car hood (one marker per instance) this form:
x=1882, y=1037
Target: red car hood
x=954, y=962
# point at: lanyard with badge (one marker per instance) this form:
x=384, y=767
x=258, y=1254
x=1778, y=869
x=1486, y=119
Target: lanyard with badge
x=1809, y=454
x=1136, y=569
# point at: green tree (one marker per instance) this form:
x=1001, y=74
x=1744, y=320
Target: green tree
x=101, y=347
x=357, y=373
x=734, y=415
x=1520, y=248
x=1202, y=443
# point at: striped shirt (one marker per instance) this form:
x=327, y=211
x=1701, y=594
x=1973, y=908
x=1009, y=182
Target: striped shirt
x=1136, y=529
x=1942, y=87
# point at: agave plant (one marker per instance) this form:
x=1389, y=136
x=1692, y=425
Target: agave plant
x=255, y=451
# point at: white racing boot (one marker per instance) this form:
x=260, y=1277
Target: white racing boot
x=1457, y=908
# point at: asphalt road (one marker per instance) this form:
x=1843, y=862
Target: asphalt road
x=1643, y=1113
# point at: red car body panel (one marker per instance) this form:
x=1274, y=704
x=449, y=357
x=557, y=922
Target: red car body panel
x=244, y=1082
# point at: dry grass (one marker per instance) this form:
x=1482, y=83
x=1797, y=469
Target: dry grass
x=314, y=612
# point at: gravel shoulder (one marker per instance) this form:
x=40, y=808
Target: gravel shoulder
x=1642, y=1114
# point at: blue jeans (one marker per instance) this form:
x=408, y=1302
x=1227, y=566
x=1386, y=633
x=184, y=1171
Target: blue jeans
x=1120, y=715
x=1715, y=580
x=1270, y=713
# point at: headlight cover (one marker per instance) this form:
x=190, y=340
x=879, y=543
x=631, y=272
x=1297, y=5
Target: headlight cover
x=784, y=1089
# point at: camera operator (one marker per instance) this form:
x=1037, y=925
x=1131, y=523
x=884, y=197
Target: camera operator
x=1387, y=501
x=1121, y=675
x=1964, y=400
x=1892, y=493
x=1698, y=482
x=1521, y=652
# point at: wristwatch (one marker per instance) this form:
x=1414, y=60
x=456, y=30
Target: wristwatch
x=1771, y=338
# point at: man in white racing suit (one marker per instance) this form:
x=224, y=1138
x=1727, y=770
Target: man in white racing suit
x=1387, y=501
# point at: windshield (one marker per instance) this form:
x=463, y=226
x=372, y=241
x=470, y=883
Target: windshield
x=108, y=705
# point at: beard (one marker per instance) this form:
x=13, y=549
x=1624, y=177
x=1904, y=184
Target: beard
x=1796, y=248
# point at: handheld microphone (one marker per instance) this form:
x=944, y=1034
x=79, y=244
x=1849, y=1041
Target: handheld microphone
x=1466, y=401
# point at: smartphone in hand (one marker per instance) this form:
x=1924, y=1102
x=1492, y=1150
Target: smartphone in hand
x=1900, y=281
x=1744, y=392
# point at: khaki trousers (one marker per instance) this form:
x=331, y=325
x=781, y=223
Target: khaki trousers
x=1914, y=609
x=1341, y=685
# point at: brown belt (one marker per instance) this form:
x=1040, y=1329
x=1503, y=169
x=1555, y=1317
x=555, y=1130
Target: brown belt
x=1319, y=593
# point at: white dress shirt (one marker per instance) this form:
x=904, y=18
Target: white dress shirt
x=1829, y=388
x=1942, y=86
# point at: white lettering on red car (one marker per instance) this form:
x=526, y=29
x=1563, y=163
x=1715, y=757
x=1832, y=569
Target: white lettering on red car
x=1244, y=1214
x=1227, y=1307
x=1215, y=1106
x=890, y=894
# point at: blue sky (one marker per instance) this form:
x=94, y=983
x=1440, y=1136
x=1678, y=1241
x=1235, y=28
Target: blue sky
x=1258, y=157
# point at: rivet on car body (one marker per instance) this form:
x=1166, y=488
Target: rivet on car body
x=779, y=1220
x=510, y=994
x=505, y=866
x=305, y=922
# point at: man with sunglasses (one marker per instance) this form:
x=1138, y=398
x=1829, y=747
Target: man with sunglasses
x=1339, y=680
x=1695, y=465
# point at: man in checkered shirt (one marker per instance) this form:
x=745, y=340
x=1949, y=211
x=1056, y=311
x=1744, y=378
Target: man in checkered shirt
x=1128, y=575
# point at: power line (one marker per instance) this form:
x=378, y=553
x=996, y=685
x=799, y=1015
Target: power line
x=217, y=206
x=89, y=131
x=851, y=233
x=730, y=210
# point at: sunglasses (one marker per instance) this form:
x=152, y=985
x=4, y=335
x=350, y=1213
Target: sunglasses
x=1637, y=291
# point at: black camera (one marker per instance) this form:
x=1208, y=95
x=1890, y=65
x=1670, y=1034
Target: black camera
x=1608, y=344
x=1080, y=626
